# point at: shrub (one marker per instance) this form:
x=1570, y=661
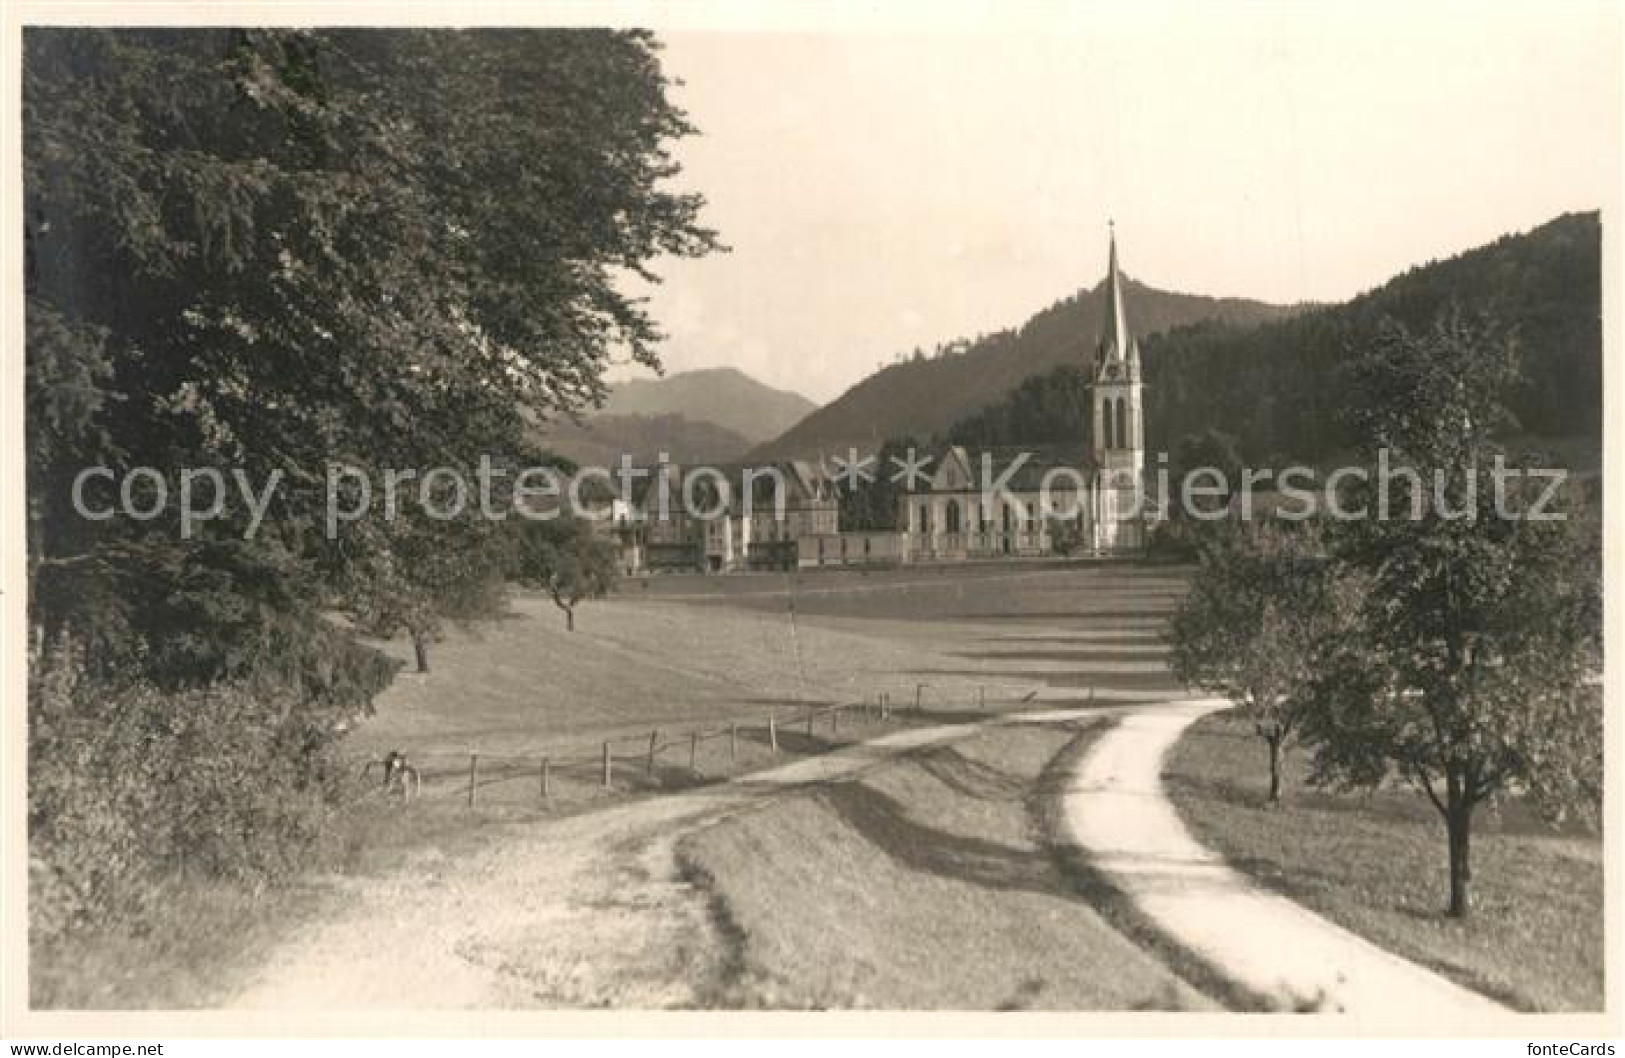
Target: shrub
x=131, y=786
x=1174, y=540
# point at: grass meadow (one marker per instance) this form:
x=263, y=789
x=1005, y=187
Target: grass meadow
x=1376, y=864
x=681, y=655
x=927, y=883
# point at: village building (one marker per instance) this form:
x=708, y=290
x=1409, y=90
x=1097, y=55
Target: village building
x=724, y=519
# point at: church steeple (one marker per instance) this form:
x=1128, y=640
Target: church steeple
x=1117, y=344
x=1116, y=392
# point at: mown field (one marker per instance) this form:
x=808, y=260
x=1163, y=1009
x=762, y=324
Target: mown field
x=675, y=656
x=697, y=651
x=1376, y=864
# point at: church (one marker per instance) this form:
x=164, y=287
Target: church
x=1087, y=498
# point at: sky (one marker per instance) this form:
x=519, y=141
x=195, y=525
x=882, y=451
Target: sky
x=890, y=184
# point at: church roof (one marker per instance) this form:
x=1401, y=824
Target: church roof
x=1031, y=464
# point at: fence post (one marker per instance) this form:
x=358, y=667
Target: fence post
x=733, y=741
x=772, y=733
x=835, y=719
x=654, y=739
x=693, y=749
x=547, y=781
x=981, y=697
x=919, y=692
x=473, y=775
x=811, y=714
x=606, y=765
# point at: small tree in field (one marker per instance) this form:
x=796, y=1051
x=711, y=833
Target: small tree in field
x=1467, y=672
x=1259, y=605
x=1065, y=536
x=567, y=559
x=1210, y=450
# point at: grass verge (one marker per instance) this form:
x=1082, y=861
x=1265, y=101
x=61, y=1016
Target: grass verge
x=1376, y=865
x=925, y=884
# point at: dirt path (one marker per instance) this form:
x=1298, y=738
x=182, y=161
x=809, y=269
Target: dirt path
x=1120, y=816
x=583, y=912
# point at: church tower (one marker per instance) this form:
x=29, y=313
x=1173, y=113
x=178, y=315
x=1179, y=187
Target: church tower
x=1115, y=388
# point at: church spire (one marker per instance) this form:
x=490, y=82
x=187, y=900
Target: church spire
x=1116, y=343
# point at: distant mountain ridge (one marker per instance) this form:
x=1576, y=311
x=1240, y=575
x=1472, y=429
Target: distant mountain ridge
x=926, y=396
x=602, y=440
x=725, y=396
x=705, y=416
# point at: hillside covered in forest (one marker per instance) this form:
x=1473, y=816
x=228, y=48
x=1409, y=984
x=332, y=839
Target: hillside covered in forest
x=1278, y=387
x=926, y=394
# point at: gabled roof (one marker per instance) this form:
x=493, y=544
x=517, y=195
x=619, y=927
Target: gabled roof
x=1035, y=461
x=810, y=478
x=804, y=481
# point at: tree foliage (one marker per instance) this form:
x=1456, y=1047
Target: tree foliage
x=1450, y=637
x=1468, y=671
x=1211, y=451
x=1263, y=602
x=872, y=505
x=569, y=559
x=269, y=249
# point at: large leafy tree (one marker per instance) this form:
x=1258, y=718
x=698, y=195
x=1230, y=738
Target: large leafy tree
x=1469, y=671
x=269, y=250
x=1261, y=604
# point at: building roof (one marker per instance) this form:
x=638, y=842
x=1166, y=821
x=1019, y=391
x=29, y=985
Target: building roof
x=804, y=482
x=1027, y=465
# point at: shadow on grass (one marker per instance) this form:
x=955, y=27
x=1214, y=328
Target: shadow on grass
x=884, y=823
x=1387, y=807
x=1136, y=681
x=1080, y=639
x=1150, y=618
x=1070, y=657
x=972, y=778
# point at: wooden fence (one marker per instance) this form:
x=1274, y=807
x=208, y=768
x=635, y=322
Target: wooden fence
x=626, y=758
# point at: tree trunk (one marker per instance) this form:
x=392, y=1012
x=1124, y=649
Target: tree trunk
x=1275, y=768
x=569, y=609
x=1458, y=825
x=420, y=646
